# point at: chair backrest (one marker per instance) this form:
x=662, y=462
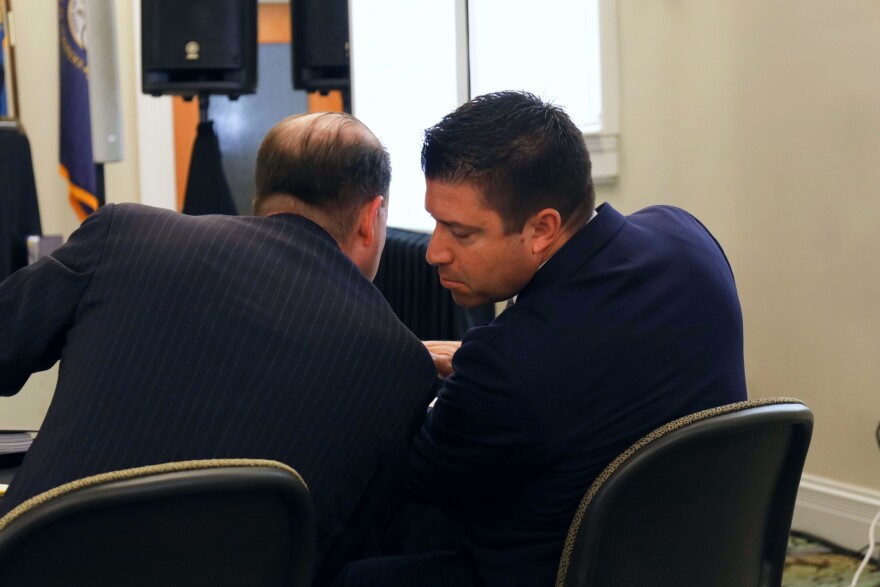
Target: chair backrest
x=214, y=522
x=705, y=500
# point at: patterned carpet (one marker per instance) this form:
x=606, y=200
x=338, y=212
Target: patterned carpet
x=812, y=562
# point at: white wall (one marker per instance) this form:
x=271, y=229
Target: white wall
x=36, y=24
x=37, y=71
x=763, y=118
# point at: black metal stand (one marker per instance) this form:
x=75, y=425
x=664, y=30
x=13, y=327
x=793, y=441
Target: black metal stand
x=99, y=183
x=204, y=102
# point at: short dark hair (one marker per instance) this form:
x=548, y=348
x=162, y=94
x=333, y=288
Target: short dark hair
x=333, y=164
x=524, y=154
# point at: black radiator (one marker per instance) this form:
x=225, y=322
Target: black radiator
x=413, y=290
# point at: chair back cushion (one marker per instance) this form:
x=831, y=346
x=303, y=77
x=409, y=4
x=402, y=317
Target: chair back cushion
x=217, y=522
x=704, y=500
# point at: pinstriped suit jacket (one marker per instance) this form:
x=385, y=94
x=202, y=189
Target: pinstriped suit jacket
x=214, y=336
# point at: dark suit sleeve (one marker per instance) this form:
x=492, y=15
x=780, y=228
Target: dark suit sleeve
x=38, y=303
x=480, y=435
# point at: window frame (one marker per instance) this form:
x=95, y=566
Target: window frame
x=602, y=143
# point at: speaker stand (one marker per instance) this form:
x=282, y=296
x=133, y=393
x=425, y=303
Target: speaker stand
x=204, y=102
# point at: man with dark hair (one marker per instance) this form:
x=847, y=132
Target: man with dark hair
x=220, y=337
x=620, y=324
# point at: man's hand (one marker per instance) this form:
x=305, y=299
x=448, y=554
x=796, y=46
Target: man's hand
x=442, y=351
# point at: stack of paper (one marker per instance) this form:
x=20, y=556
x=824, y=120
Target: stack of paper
x=13, y=445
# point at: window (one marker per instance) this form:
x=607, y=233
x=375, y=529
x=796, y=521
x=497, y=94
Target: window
x=552, y=51
x=414, y=61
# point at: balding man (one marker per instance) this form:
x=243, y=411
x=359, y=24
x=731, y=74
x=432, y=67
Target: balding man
x=218, y=336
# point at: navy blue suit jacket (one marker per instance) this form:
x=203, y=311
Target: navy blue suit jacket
x=633, y=323
x=209, y=337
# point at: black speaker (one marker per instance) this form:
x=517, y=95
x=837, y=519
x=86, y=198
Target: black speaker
x=320, y=45
x=192, y=47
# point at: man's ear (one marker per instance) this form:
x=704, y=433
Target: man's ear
x=546, y=228
x=368, y=221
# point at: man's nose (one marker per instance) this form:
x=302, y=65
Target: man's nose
x=438, y=253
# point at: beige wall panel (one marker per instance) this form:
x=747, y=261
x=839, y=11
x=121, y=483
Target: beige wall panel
x=763, y=118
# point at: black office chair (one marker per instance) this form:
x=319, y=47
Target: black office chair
x=704, y=501
x=213, y=523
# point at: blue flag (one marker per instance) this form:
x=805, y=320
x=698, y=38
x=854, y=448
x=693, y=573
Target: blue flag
x=3, y=111
x=77, y=165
